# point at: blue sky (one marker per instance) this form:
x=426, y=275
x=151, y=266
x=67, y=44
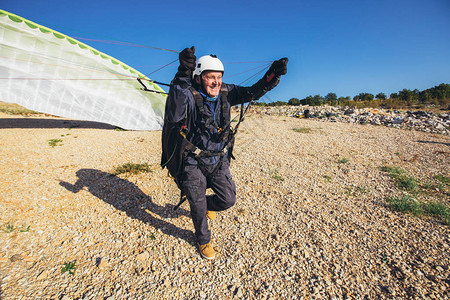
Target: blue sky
x=346, y=47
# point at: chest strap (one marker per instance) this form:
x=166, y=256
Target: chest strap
x=208, y=121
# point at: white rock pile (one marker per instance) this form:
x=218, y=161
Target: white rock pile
x=417, y=120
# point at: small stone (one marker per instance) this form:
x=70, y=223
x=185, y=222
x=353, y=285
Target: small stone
x=143, y=256
x=239, y=292
x=439, y=269
x=16, y=257
x=43, y=275
x=103, y=264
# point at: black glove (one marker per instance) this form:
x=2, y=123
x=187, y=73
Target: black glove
x=278, y=68
x=268, y=82
x=273, y=75
x=187, y=61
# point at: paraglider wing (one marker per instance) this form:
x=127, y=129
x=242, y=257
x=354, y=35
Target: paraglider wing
x=49, y=72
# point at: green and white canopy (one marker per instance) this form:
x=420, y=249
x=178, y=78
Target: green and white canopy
x=49, y=72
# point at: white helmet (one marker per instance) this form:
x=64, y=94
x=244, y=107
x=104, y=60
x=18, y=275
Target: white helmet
x=208, y=63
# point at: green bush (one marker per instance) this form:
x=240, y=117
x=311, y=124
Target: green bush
x=132, y=168
x=408, y=204
x=402, y=180
x=55, y=142
x=438, y=209
x=407, y=183
x=15, y=109
x=343, y=160
x=443, y=179
x=405, y=204
x=302, y=129
x=69, y=267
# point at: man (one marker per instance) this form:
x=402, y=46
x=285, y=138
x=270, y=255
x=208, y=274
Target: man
x=197, y=139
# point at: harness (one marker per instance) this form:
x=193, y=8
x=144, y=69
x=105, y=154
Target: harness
x=207, y=123
x=226, y=135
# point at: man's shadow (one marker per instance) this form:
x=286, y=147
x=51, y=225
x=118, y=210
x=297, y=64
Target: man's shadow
x=127, y=197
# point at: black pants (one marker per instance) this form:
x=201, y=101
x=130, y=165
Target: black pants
x=195, y=184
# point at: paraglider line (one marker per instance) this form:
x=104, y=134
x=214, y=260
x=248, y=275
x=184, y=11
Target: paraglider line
x=253, y=76
x=249, y=62
x=128, y=77
x=125, y=44
x=76, y=67
x=162, y=67
x=23, y=78
x=263, y=66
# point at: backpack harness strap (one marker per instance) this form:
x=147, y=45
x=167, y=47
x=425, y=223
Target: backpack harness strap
x=208, y=122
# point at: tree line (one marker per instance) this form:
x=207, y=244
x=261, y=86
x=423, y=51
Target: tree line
x=437, y=96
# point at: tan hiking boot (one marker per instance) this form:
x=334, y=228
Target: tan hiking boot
x=207, y=251
x=211, y=214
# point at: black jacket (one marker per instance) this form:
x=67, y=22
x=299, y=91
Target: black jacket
x=181, y=111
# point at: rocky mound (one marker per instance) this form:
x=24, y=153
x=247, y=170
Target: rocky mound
x=417, y=120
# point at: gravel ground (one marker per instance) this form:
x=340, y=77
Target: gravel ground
x=310, y=221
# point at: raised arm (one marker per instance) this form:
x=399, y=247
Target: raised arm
x=179, y=88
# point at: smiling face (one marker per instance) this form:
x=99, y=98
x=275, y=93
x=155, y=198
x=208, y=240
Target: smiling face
x=212, y=81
